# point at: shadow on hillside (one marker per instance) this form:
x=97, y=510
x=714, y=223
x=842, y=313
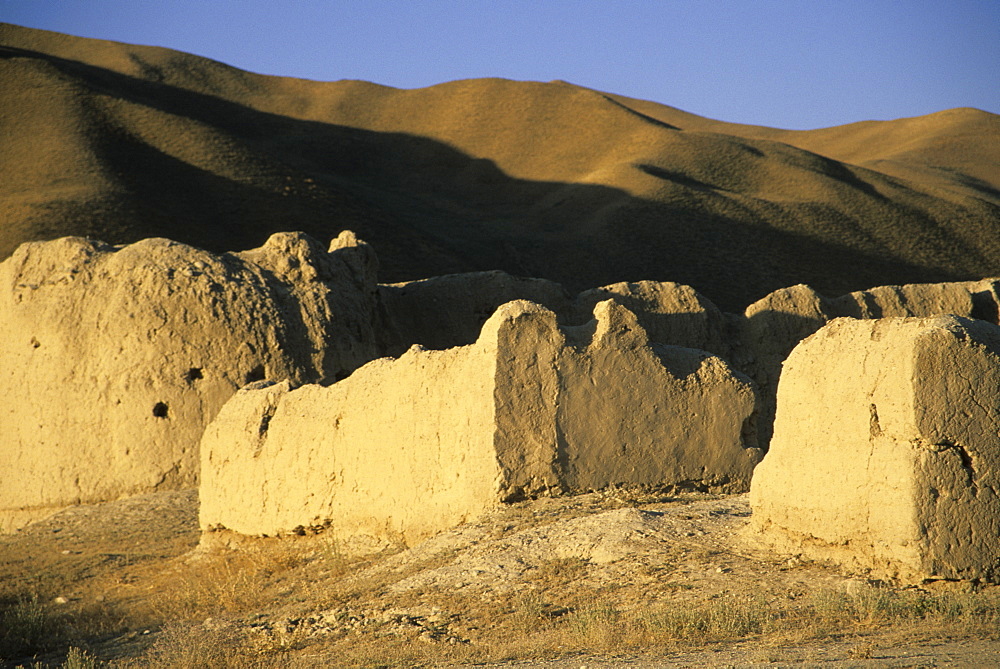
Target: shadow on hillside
x=427, y=208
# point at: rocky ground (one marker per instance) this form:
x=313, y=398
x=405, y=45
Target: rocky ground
x=609, y=579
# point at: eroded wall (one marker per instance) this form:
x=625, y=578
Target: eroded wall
x=404, y=448
x=118, y=357
x=886, y=455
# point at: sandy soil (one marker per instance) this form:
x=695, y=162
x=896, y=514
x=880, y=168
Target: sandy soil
x=521, y=570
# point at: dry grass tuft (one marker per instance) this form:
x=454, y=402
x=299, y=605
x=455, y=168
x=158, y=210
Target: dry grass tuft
x=607, y=628
x=227, y=583
x=211, y=644
x=24, y=626
x=30, y=626
x=874, y=607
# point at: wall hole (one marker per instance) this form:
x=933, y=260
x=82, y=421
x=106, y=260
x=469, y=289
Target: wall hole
x=984, y=307
x=193, y=374
x=265, y=421
x=255, y=374
x=35, y=343
x=160, y=410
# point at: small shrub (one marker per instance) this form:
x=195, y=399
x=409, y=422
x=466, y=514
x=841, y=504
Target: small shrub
x=24, y=628
x=601, y=627
x=529, y=612
x=79, y=659
x=195, y=646
x=730, y=618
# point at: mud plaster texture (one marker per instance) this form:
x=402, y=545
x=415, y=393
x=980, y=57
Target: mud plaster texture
x=121, y=355
x=405, y=448
x=886, y=454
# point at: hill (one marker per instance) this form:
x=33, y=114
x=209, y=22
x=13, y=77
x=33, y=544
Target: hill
x=552, y=180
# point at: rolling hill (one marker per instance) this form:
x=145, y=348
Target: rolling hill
x=553, y=180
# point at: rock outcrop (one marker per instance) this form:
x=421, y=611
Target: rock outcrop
x=119, y=356
x=886, y=455
x=404, y=448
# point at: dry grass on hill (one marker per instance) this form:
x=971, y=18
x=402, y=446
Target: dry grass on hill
x=540, y=179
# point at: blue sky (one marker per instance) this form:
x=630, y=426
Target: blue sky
x=790, y=64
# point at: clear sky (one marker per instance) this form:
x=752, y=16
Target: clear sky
x=787, y=63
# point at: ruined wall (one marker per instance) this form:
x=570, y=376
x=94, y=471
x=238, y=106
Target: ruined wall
x=383, y=453
x=634, y=413
x=328, y=298
x=774, y=325
x=446, y=311
x=670, y=313
x=119, y=356
x=886, y=453
x=404, y=448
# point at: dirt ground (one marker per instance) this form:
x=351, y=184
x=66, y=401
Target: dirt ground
x=609, y=579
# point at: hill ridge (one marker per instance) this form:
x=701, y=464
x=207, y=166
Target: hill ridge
x=120, y=142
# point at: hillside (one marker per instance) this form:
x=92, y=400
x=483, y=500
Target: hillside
x=552, y=180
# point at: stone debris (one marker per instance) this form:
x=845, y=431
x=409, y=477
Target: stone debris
x=430, y=625
x=886, y=455
x=503, y=564
x=530, y=555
